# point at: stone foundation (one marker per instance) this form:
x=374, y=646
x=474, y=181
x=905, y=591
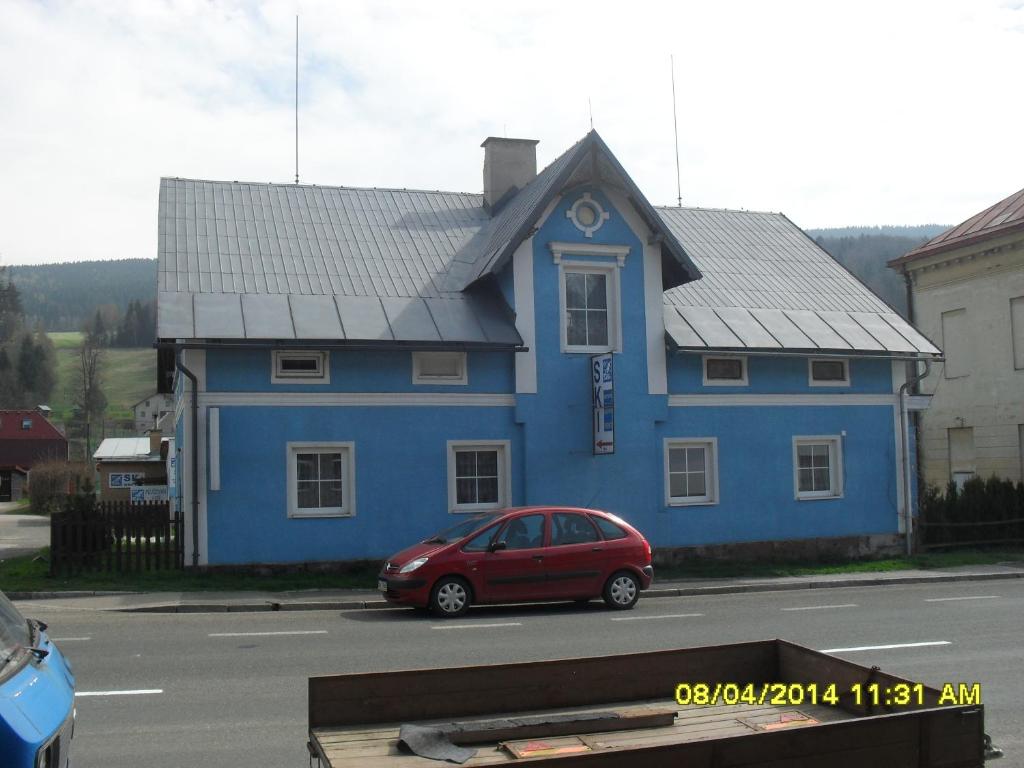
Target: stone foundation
x=821, y=550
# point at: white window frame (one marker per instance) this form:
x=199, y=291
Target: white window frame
x=740, y=382
x=278, y=377
x=813, y=382
x=613, y=295
x=710, y=446
x=418, y=377
x=504, y=474
x=835, y=467
x=348, y=479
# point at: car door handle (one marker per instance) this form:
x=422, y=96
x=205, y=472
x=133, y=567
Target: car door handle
x=538, y=558
x=597, y=549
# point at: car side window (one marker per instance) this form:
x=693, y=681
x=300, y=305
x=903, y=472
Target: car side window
x=609, y=530
x=524, y=532
x=570, y=528
x=481, y=541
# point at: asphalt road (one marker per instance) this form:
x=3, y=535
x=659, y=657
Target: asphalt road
x=229, y=689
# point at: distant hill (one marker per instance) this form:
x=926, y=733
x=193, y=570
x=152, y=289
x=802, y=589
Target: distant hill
x=865, y=250
x=63, y=296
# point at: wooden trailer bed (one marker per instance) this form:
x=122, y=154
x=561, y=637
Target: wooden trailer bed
x=355, y=719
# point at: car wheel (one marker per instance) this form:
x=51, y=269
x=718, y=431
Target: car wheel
x=622, y=590
x=450, y=597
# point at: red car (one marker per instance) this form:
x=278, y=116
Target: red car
x=523, y=554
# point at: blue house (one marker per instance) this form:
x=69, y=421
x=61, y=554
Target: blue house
x=353, y=368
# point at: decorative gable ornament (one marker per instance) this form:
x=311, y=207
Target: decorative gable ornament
x=587, y=215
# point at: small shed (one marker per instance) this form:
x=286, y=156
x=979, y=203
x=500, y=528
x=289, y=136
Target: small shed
x=127, y=463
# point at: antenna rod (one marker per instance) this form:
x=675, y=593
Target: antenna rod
x=590, y=106
x=675, y=125
x=296, y=98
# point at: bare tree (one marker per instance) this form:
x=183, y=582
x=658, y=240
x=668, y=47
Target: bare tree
x=90, y=402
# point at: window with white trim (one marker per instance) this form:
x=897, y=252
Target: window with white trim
x=478, y=475
x=439, y=368
x=321, y=480
x=590, y=298
x=724, y=371
x=691, y=471
x=828, y=372
x=817, y=467
x=300, y=367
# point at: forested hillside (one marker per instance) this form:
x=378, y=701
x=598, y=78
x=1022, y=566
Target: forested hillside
x=63, y=297
x=866, y=250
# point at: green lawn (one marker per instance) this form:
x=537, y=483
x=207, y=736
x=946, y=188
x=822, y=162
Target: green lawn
x=128, y=376
x=26, y=574
x=66, y=339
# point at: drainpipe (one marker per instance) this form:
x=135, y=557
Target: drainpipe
x=908, y=518
x=194, y=455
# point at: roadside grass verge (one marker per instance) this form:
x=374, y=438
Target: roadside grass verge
x=709, y=569
x=30, y=574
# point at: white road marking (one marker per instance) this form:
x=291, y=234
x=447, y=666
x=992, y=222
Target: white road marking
x=478, y=626
x=819, y=607
x=652, y=618
x=884, y=647
x=67, y=639
x=139, y=692
x=269, y=634
x=967, y=597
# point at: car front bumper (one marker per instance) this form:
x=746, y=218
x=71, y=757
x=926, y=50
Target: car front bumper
x=400, y=590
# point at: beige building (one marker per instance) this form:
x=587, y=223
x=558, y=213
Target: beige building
x=127, y=463
x=968, y=297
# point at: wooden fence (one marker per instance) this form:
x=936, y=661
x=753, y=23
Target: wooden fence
x=116, y=536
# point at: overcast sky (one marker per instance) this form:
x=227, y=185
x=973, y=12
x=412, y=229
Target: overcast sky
x=835, y=113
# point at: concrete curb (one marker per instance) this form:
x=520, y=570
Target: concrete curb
x=376, y=604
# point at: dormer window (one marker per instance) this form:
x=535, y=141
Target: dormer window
x=26, y=423
x=300, y=367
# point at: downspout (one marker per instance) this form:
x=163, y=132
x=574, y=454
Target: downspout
x=194, y=484
x=908, y=517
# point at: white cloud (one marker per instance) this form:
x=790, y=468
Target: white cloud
x=873, y=112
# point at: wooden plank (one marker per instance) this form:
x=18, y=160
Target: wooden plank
x=466, y=691
x=537, y=727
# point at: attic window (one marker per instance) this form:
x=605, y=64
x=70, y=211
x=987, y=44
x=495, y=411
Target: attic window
x=439, y=368
x=725, y=371
x=829, y=372
x=300, y=367
x=26, y=423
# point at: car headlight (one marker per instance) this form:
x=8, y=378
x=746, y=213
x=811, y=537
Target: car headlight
x=412, y=565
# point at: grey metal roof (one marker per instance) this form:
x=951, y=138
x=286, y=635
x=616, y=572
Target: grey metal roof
x=275, y=261
x=767, y=285
x=125, y=449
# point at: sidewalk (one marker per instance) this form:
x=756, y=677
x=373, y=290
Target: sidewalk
x=363, y=599
x=22, y=534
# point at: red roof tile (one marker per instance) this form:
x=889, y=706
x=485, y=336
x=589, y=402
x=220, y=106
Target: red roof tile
x=1004, y=217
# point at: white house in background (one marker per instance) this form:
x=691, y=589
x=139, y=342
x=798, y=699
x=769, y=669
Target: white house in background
x=968, y=293
x=150, y=409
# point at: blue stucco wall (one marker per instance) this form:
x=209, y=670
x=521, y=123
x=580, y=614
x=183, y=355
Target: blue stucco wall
x=777, y=375
x=400, y=479
x=242, y=370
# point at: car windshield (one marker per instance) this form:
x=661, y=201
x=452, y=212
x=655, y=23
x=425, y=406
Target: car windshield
x=463, y=529
x=14, y=631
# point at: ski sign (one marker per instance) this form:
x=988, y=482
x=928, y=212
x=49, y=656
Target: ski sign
x=603, y=385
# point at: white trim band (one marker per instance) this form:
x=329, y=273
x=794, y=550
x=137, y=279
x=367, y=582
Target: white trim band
x=357, y=399
x=683, y=401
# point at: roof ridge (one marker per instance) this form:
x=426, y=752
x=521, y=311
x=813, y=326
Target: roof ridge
x=345, y=187
x=712, y=208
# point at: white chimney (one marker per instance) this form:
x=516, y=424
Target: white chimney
x=509, y=164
